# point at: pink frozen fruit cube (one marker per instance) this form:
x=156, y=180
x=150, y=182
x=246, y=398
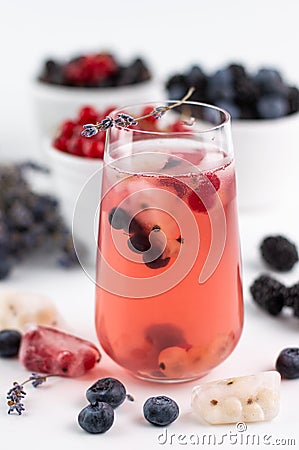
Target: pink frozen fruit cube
x=49, y=350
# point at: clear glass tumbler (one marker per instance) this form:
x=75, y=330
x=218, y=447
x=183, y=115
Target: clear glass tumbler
x=169, y=303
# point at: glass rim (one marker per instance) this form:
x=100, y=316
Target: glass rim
x=222, y=124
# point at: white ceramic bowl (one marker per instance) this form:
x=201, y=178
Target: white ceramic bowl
x=267, y=161
x=77, y=185
x=54, y=104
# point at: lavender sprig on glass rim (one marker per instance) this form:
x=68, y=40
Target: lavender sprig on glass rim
x=16, y=394
x=125, y=120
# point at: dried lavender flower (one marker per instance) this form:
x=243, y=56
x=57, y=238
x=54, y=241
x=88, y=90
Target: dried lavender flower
x=37, y=379
x=159, y=111
x=106, y=123
x=89, y=130
x=123, y=120
x=14, y=397
x=17, y=393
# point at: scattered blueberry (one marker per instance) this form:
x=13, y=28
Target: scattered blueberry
x=108, y=390
x=279, y=253
x=287, y=363
x=269, y=294
x=160, y=410
x=10, y=341
x=96, y=418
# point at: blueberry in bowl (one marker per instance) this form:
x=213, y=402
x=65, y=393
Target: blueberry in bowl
x=259, y=95
x=264, y=109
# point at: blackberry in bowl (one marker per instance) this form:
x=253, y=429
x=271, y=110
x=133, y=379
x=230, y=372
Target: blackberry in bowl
x=264, y=108
x=62, y=86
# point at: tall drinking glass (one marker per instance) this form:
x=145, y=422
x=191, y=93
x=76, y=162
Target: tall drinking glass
x=169, y=301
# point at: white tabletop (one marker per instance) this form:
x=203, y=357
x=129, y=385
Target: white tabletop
x=262, y=34
x=52, y=409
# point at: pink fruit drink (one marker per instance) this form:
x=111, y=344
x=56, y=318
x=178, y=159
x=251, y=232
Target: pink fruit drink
x=169, y=293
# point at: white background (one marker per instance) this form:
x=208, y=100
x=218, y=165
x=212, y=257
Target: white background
x=170, y=35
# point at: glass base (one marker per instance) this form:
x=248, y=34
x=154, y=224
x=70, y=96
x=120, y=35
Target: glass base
x=153, y=379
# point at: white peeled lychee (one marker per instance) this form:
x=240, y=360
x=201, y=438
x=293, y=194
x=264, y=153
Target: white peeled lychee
x=249, y=398
x=20, y=309
x=147, y=162
x=173, y=361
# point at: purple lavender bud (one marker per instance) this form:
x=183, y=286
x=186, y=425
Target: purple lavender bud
x=159, y=111
x=124, y=121
x=106, y=123
x=19, y=408
x=89, y=130
x=37, y=379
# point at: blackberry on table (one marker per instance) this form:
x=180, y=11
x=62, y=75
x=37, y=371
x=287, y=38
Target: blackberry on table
x=292, y=298
x=279, y=253
x=269, y=294
x=292, y=295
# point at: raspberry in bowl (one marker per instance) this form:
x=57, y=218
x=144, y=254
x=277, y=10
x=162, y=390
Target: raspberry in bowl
x=98, y=79
x=76, y=168
x=264, y=109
